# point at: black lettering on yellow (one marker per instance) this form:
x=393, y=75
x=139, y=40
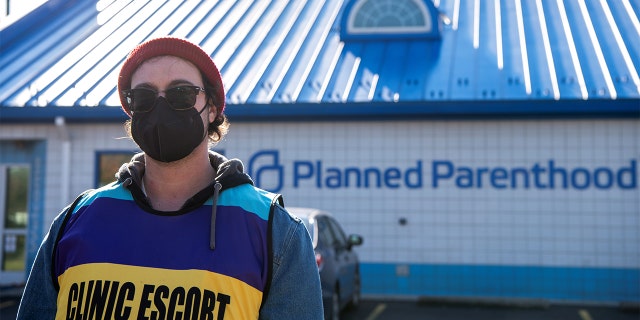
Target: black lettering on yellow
x=105, y=299
x=192, y=305
x=87, y=302
x=73, y=297
x=145, y=303
x=223, y=301
x=112, y=299
x=208, y=304
x=80, y=301
x=162, y=292
x=127, y=292
x=177, y=298
x=98, y=299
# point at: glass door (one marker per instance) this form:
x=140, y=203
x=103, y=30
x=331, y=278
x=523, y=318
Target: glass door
x=14, y=194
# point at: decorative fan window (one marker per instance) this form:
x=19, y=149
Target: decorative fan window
x=375, y=19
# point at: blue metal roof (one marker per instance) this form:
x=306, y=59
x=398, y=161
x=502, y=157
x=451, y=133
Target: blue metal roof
x=288, y=59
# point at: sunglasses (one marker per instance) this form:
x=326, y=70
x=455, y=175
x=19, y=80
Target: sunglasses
x=144, y=99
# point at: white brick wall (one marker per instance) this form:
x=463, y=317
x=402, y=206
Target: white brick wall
x=592, y=227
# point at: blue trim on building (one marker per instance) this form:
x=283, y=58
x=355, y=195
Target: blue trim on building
x=603, y=285
x=490, y=109
x=439, y=110
x=71, y=114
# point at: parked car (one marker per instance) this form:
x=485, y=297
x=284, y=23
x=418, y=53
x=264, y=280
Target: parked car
x=337, y=261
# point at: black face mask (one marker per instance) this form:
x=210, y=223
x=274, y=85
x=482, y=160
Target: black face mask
x=165, y=134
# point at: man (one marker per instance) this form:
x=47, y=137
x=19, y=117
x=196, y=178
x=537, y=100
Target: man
x=182, y=233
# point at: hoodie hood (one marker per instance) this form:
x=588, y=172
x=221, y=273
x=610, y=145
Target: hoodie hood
x=229, y=174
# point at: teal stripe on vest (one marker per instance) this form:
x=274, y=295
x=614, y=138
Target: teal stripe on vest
x=113, y=190
x=248, y=198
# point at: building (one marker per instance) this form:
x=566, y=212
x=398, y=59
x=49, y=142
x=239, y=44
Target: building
x=484, y=149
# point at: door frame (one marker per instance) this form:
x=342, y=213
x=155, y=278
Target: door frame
x=13, y=277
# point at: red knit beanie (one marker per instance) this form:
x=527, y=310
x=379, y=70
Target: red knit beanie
x=171, y=46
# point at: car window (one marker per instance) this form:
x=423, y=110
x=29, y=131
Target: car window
x=325, y=237
x=338, y=234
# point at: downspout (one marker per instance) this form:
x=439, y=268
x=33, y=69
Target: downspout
x=65, y=163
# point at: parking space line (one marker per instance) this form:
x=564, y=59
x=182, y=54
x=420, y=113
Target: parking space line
x=584, y=314
x=377, y=311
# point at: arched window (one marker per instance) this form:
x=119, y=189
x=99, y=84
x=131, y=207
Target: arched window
x=375, y=19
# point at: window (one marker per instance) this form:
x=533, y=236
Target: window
x=17, y=183
x=324, y=234
x=108, y=163
x=376, y=19
x=14, y=252
x=338, y=234
x=14, y=224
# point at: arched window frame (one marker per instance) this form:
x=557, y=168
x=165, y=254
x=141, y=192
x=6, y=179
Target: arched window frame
x=431, y=29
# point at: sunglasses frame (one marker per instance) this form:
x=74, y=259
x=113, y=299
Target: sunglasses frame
x=128, y=94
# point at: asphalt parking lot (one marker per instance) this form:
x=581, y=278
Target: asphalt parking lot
x=413, y=310
x=376, y=309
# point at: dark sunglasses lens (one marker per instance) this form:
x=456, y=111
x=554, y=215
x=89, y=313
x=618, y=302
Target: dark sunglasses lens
x=182, y=98
x=142, y=100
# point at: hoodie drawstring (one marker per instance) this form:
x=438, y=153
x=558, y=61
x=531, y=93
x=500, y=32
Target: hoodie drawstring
x=214, y=208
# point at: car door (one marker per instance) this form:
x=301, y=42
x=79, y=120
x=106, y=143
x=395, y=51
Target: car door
x=346, y=259
x=328, y=273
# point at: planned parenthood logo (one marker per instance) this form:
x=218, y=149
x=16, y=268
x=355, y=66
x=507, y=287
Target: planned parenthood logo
x=270, y=173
